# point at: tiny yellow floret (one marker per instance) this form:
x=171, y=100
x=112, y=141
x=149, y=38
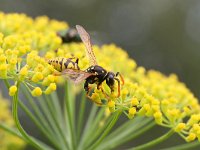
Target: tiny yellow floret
x=131, y=112
x=12, y=90
x=179, y=127
x=50, y=88
x=191, y=137
x=37, y=92
x=134, y=102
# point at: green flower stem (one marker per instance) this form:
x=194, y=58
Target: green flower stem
x=7, y=83
x=96, y=129
x=127, y=132
x=11, y=131
x=89, y=121
x=137, y=121
x=107, y=130
x=69, y=110
x=55, y=102
x=19, y=127
x=39, y=125
x=39, y=114
x=52, y=123
x=81, y=115
x=186, y=146
x=154, y=142
x=56, y=119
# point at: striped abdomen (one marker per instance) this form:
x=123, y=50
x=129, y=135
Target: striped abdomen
x=61, y=63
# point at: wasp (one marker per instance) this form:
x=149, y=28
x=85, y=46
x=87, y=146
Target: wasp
x=98, y=73
x=94, y=74
x=69, y=35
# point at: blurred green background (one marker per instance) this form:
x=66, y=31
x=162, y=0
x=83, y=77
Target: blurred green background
x=162, y=35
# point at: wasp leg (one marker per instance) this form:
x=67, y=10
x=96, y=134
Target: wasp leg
x=88, y=89
x=118, y=81
x=100, y=87
x=121, y=77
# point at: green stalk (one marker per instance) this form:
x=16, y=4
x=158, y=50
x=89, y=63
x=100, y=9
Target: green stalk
x=186, y=146
x=154, y=142
x=92, y=114
x=52, y=123
x=107, y=130
x=29, y=139
x=6, y=83
x=126, y=133
x=39, y=114
x=95, y=129
x=11, y=131
x=81, y=116
x=70, y=114
x=56, y=120
x=57, y=106
x=126, y=127
x=39, y=125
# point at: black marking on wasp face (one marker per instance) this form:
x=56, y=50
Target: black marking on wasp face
x=69, y=35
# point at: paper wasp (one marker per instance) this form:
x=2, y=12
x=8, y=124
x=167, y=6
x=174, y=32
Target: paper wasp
x=94, y=74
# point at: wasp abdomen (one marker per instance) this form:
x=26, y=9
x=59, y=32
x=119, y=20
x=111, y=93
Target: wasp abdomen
x=61, y=63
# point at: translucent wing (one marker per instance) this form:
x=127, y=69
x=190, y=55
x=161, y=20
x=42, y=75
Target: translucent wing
x=85, y=37
x=76, y=76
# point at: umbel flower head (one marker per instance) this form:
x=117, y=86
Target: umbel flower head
x=27, y=45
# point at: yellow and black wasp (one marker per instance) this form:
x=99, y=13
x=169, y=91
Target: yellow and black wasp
x=94, y=74
x=98, y=73
x=69, y=35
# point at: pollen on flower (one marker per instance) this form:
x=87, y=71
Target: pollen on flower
x=131, y=112
x=134, y=102
x=12, y=90
x=179, y=127
x=37, y=77
x=50, y=88
x=36, y=92
x=190, y=137
x=158, y=117
x=111, y=106
x=23, y=72
x=48, y=80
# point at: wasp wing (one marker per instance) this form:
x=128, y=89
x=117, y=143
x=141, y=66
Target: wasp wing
x=85, y=37
x=76, y=76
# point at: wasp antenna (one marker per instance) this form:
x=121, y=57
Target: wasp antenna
x=121, y=77
x=118, y=81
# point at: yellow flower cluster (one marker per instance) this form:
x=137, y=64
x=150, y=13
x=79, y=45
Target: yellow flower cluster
x=26, y=47
x=21, y=46
x=7, y=140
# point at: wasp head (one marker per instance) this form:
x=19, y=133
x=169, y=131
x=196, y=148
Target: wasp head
x=110, y=80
